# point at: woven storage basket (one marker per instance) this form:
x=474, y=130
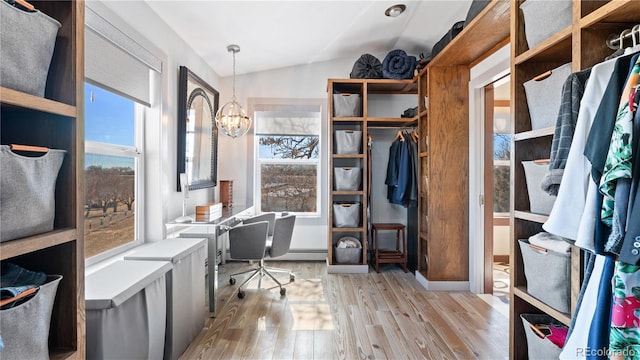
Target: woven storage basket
x=27, y=40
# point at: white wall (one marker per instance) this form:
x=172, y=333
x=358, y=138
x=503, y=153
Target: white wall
x=235, y=156
x=163, y=201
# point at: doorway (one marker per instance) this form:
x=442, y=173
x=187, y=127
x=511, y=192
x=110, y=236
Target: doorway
x=488, y=83
x=497, y=201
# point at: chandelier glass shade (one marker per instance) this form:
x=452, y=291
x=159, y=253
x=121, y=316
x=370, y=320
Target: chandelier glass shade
x=231, y=118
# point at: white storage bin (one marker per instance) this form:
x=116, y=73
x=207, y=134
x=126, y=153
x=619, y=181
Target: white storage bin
x=27, y=40
x=347, y=105
x=347, y=178
x=186, y=310
x=543, y=18
x=548, y=275
x=539, y=348
x=540, y=202
x=126, y=304
x=346, y=215
x=25, y=328
x=348, y=141
x=544, y=97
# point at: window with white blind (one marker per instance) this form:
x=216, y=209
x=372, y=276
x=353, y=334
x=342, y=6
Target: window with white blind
x=287, y=145
x=118, y=97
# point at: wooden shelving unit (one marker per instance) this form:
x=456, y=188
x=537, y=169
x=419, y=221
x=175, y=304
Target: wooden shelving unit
x=56, y=121
x=444, y=147
x=363, y=87
x=582, y=44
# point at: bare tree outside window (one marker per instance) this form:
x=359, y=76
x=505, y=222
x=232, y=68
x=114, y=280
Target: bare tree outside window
x=289, y=173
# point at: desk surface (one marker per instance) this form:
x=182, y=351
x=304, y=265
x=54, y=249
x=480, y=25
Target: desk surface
x=227, y=213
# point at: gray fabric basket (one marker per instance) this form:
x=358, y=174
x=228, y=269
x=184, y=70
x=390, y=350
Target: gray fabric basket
x=540, y=202
x=543, y=18
x=25, y=328
x=348, y=141
x=347, y=178
x=348, y=255
x=346, y=215
x=548, y=276
x=347, y=105
x=537, y=347
x=27, y=192
x=27, y=40
x=544, y=97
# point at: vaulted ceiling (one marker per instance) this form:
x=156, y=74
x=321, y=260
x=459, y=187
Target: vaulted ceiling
x=276, y=34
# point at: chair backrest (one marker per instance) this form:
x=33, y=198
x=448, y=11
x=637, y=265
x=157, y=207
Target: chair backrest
x=282, y=235
x=270, y=217
x=248, y=241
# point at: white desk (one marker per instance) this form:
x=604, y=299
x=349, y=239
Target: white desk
x=216, y=250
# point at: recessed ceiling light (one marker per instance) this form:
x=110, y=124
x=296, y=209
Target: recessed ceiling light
x=395, y=10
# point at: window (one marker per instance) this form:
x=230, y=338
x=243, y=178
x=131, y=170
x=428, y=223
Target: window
x=112, y=167
x=501, y=162
x=287, y=146
x=119, y=96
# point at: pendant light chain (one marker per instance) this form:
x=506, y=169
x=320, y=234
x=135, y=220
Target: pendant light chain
x=234, y=76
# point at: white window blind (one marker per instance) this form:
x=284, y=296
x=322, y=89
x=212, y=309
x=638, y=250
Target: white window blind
x=287, y=120
x=115, y=61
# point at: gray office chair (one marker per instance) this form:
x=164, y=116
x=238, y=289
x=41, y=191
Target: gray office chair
x=279, y=245
x=270, y=217
x=248, y=242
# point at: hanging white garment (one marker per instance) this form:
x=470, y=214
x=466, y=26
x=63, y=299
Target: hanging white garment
x=576, y=344
x=566, y=216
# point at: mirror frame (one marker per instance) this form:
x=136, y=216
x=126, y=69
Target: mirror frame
x=188, y=80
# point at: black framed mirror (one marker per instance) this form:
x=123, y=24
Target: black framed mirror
x=197, y=131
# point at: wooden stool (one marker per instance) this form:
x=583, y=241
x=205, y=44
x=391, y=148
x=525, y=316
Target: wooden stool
x=397, y=256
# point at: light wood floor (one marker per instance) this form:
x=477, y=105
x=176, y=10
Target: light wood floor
x=348, y=316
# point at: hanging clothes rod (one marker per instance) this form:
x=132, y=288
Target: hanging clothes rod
x=616, y=41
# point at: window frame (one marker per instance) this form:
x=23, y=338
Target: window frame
x=137, y=153
x=317, y=162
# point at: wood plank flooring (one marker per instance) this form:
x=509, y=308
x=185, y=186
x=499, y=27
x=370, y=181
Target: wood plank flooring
x=348, y=316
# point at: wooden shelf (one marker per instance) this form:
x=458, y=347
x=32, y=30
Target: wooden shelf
x=618, y=11
x=347, y=156
x=382, y=86
x=347, y=119
x=555, y=48
x=392, y=122
x=347, y=192
x=344, y=229
x=529, y=216
x=487, y=31
x=19, y=99
x=58, y=122
x=533, y=134
x=13, y=248
x=521, y=292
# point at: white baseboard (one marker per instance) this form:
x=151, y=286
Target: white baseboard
x=442, y=285
x=347, y=269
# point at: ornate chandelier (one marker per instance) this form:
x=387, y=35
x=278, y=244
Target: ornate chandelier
x=231, y=119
